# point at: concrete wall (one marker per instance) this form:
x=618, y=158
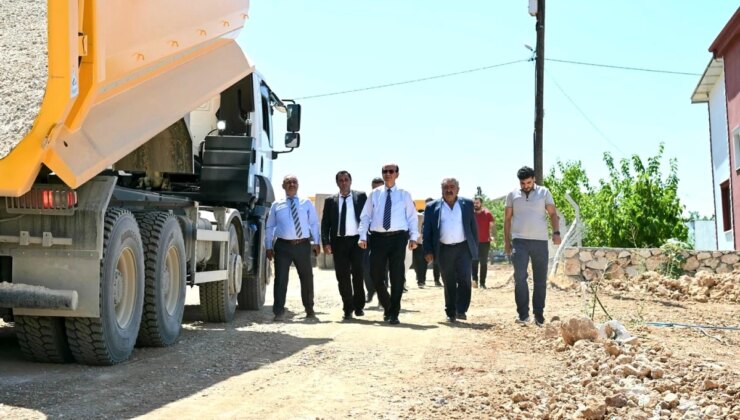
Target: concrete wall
x=615, y=263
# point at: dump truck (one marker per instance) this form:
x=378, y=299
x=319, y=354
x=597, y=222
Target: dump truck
x=136, y=152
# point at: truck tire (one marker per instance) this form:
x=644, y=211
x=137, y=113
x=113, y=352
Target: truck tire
x=254, y=288
x=42, y=338
x=217, y=302
x=164, y=279
x=110, y=339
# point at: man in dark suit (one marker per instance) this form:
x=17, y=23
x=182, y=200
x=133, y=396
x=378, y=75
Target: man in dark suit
x=451, y=237
x=339, y=234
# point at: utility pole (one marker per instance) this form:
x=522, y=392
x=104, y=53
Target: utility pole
x=539, y=74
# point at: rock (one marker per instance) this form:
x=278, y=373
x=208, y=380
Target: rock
x=691, y=264
x=722, y=269
x=599, y=253
x=518, y=397
x=593, y=409
x=585, y=256
x=615, y=272
x=631, y=271
x=645, y=253
x=590, y=274
x=656, y=373
x=624, y=254
x=653, y=263
x=612, y=348
x=624, y=359
x=703, y=256
x=551, y=331
x=614, y=330
x=617, y=401
x=578, y=329
x=705, y=279
x=599, y=264
x=669, y=401
x=709, y=384
x=730, y=258
x=572, y=267
x=570, y=252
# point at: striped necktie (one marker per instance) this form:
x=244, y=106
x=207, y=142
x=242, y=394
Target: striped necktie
x=296, y=220
x=387, y=211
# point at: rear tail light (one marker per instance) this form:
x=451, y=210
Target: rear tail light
x=44, y=200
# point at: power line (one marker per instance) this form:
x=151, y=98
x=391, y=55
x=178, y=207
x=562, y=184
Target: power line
x=583, y=114
x=406, y=82
x=610, y=66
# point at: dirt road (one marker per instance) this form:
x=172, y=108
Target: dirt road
x=481, y=368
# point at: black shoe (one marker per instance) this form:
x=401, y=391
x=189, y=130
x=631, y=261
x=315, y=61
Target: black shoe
x=394, y=320
x=359, y=312
x=310, y=314
x=279, y=317
x=347, y=316
x=421, y=285
x=539, y=320
x=437, y=283
x=386, y=317
x=462, y=316
x=483, y=286
x=369, y=297
x=451, y=319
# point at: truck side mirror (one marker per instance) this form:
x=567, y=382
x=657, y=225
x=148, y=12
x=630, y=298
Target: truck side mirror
x=292, y=140
x=294, y=118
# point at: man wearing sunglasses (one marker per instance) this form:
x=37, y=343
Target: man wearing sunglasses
x=390, y=215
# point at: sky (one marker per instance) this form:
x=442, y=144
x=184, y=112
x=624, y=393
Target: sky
x=477, y=126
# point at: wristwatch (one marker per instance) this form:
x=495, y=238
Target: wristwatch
x=557, y=232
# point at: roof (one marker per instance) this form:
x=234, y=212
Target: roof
x=708, y=80
x=726, y=37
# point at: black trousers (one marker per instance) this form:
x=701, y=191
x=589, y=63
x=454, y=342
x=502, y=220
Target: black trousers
x=483, y=249
x=420, y=265
x=300, y=255
x=455, y=265
x=348, y=268
x=388, y=250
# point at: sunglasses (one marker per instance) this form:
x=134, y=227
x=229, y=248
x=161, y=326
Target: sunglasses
x=389, y=171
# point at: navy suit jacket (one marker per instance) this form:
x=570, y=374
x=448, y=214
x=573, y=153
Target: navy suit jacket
x=330, y=216
x=433, y=220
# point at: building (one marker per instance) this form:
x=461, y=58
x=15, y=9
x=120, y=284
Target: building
x=719, y=88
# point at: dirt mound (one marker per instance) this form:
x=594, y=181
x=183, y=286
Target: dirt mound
x=703, y=287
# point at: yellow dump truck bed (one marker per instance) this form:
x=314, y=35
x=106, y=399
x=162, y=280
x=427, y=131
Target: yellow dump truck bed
x=85, y=82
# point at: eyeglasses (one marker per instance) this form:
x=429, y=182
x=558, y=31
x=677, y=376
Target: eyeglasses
x=389, y=171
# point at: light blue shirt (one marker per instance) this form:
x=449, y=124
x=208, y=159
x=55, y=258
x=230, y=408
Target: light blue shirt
x=280, y=222
x=403, y=213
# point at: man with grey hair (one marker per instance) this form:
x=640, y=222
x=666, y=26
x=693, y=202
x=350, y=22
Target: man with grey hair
x=451, y=237
x=390, y=215
x=292, y=225
x=525, y=238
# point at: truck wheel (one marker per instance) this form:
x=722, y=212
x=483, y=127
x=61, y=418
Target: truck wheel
x=42, y=338
x=217, y=299
x=110, y=339
x=164, y=290
x=254, y=287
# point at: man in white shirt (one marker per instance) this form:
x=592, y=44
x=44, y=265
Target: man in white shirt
x=292, y=224
x=451, y=237
x=525, y=238
x=390, y=215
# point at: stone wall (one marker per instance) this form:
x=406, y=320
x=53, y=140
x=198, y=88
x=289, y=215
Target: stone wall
x=617, y=263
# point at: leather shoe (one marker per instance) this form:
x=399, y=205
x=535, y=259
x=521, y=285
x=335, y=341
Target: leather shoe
x=462, y=316
x=386, y=317
x=359, y=312
x=347, y=316
x=310, y=314
x=451, y=319
x=279, y=317
x=437, y=283
x=394, y=320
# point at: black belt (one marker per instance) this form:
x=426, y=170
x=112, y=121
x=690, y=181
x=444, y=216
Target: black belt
x=349, y=237
x=451, y=245
x=295, y=241
x=391, y=233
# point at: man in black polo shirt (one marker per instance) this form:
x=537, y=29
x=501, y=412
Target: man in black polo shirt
x=390, y=215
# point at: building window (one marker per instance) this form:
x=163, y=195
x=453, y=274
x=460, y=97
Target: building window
x=724, y=189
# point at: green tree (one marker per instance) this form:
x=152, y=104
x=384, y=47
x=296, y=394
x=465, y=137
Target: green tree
x=635, y=207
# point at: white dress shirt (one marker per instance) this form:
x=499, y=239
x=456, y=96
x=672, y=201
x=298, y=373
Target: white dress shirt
x=280, y=222
x=351, y=226
x=403, y=213
x=451, y=225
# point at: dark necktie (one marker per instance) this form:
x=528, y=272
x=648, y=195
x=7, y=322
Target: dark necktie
x=387, y=211
x=343, y=218
x=296, y=220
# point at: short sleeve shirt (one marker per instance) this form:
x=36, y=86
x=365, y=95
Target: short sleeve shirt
x=529, y=219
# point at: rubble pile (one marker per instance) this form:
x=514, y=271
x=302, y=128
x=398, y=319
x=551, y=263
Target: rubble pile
x=622, y=378
x=702, y=287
